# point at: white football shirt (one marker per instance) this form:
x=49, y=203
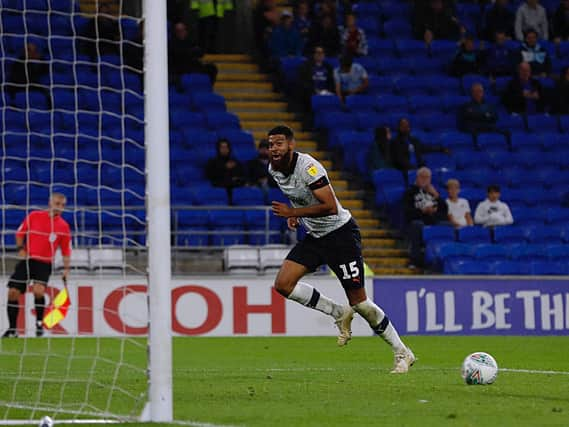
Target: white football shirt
x=458, y=210
x=307, y=173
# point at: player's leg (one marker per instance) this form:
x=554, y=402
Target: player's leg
x=16, y=286
x=39, y=273
x=288, y=284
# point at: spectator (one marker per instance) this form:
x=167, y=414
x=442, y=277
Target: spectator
x=423, y=205
x=458, y=208
x=315, y=77
x=224, y=170
x=265, y=19
x=102, y=33
x=325, y=34
x=468, y=60
x=379, y=156
x=499, y=18
x=407, y=151
x=524, y=94
x=258, y=168
x=302, y=22
x=27, y=72
x=350, y=78
x=285, y=40
x=562, y=92
x=531, y=15
x=499, y=61
x=184, y=56
x=560, y=22
x=532, y=53
x=476, y=115
x=436, y=22
x=492, y=211
x=354, y=40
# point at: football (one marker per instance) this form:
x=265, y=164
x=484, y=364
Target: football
x=479, y=368
x=46, y=422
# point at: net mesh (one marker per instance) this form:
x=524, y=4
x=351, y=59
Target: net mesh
x=72, y=122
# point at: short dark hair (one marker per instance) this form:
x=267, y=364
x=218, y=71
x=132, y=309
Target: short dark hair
x=493, y=188
x=282, y=130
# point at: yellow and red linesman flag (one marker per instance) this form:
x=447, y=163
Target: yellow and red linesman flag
x=57, y=309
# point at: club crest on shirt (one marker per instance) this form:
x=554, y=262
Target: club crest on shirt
x=312, y=169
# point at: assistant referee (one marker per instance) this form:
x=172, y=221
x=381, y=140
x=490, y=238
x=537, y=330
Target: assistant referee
x=38, y=238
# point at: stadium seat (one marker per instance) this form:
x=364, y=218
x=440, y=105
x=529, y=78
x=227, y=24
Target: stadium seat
x=194, y=82
x=543, y=234
x=509, y=268
x=192, y=227
x=468, y=267
x=207, y=195
x=326, y=103
x=241, y=258
x=220, y=120
x=490, y=251
x=387, y=103
x=438, y=233
x=542, y=122
x=229, y=227
x=548, y=268
x=557, y=216
x=208, y=102
x=474, y=234
x=248, y=196
x=489, y=140
x=513, y=123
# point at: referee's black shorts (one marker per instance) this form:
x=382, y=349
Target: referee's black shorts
x=29, y=270
x=341, y=250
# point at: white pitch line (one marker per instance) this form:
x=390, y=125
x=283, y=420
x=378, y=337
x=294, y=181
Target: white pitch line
x=533, y=371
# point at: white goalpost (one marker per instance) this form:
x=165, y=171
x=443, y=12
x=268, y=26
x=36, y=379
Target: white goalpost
x=84, y=115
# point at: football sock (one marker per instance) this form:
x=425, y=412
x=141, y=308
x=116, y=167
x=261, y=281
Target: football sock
x=380, y=323
x=305, y=294
x=40, y=306
x=13, y=308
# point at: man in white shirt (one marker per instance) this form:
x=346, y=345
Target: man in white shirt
x=458, y=207
x=531, y=15
x=492, y=211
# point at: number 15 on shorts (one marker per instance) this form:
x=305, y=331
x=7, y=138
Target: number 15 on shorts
x=350, y=270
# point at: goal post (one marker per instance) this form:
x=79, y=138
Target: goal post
x=158, y=209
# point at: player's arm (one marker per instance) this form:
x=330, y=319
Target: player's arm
x=21, y=234
x=326, y=207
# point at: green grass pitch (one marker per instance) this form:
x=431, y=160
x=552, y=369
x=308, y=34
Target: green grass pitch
x=306, y=381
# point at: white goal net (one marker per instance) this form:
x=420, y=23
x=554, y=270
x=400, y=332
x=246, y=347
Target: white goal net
x=72, y=117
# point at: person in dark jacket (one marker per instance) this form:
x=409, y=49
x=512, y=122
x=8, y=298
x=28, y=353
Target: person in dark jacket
x=562, y=92
x=315, y=77
x=258, y=168
x=499, y=59
x=379, y=153
x=325, y=33
x=499, y=18
x=436, y=22
x=224, y=170
x=560, y=22
x=423, y=205
x=524, y=94
x=532, y=53
x=407, y=151
x=468, y=60
x=285, y=40
x=476, y=115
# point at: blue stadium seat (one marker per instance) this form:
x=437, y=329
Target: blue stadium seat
x=190, y=222
x=392, y=104
x=396, y=66
x=201, y=154
x=528, y=158
x=474, y=234
x=438, y=161
x=331, y=121
x=542, y=122
x=229, y=227
x=511, y=122
x=362, y=9
x=411, y=85
x=456, y=141
x=188, y=121
x=387, y=177
x=395, y=10
x=13, y=23
x=398, y=29
x=371, y=64
x=557, y=216
x=438, y=233
x=410, y=48
x=380, y=47
x=275, y=194
x=208, y=102
x=361, y=103
x=219, y=120
x=543, y=234
x=194, y=82
x=548, y=268
x=510, y=268
x=486, y=140
x=467, y=267
x=437, y=252
x=326, y=103
x=425, y=103
x=207, y=195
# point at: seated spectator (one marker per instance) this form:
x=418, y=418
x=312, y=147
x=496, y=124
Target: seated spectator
x=562, y=92
x=499, y=61
x=224, y=170
x=315, y=77
x=560, y=22
x=458, y=208
x=285, y=40
x=499, y=18
x=492, y=211
x=524, y=94
x=302, y=21
x=184, y=56
x=379, y=154
x=423, y=205
x=531, y=15
x=436, y=22
x=325, y=33
x=350, y=78
x=468, y=60
x=354, y=40
x=102, y=33
x=407, y=151
x=536, y=56
x=26, y=73
x=476, y=115
x=258, y=168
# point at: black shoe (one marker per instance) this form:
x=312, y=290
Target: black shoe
x=10, y=333
x=39, y=329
